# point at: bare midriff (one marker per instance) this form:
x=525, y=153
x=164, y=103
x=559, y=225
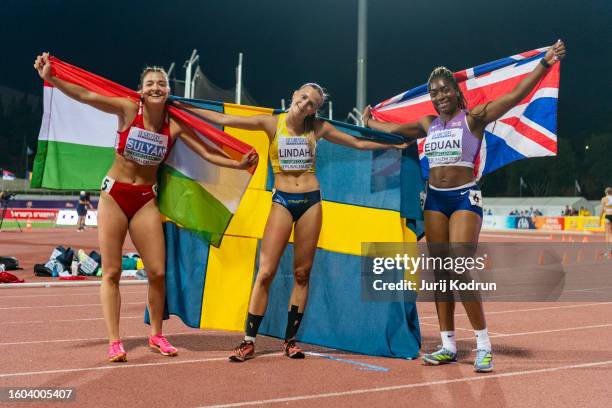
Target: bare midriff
x=450, y=176
x=298, y=182
x=127, y=171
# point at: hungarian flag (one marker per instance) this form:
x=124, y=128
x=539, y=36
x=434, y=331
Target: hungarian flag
x=527, y=130
x=76, y=149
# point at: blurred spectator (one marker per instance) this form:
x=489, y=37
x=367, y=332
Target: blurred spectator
x=82, y=207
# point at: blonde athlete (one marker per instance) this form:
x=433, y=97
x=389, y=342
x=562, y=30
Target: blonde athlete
x=296, y=203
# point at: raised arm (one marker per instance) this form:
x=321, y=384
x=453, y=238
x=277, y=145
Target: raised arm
x=266, y=123
x=413, y=130
x=117, y=106
x=214, y=156
x=490, y=112
x=329, y=132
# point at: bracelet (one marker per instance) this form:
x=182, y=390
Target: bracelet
x=544, y=63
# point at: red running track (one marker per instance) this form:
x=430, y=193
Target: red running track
x=546, y=355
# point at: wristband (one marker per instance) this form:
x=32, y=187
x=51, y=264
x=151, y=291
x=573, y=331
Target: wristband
x=544, y=63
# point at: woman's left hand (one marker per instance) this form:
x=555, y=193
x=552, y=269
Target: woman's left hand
x=555, y=53
x=249, y=159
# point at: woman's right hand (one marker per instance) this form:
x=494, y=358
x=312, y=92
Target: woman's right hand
x=366, y=115
x=43, y=66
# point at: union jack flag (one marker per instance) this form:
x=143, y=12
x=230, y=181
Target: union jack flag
x=527, y=130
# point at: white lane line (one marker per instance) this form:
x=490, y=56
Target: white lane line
x=409, y=386
x=63, y=284
x=126, y=366
x=514, y=236
x=535, y=309
x=97, y=292
x=595, y=326
x=68, y=320
x=19, y=343
x=59, y=306
x=460, y=328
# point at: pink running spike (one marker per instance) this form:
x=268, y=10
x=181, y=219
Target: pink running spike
x=116, y=352
x=161, y=344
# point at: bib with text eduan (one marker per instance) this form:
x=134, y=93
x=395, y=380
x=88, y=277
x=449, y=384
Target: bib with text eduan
x=443, y=146
x=145, y=147
x=294, y=153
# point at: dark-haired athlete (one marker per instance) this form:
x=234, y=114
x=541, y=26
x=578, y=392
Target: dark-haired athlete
x=453, y=207
x=127, y=200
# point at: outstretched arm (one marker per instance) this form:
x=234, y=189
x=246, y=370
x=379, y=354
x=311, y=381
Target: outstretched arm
x=487, y=113
x=117, y=106
x=414, y=130
x=256, y=122
x=329, y=132
x=214, y=156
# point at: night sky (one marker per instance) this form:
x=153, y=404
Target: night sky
x=287, y=43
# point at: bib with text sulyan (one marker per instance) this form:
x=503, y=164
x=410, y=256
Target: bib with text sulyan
x=145, y=147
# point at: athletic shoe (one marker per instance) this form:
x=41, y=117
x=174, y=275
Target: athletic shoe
x=116, y=352
x=245, y=351
x=292, y=350
x=442, y=356
x=484, y=361
x=159, y=343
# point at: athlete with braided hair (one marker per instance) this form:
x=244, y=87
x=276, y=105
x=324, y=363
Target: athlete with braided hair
x=453, y=207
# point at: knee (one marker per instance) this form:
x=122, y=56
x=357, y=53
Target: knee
x=111, y=274
x=155, y=274
x=302, y=274
x=463, y=249
x=264, y=278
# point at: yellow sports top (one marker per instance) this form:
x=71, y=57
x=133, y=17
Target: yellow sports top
x=290, y=153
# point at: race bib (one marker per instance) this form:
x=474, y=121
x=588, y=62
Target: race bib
x=144, y=147
x=422, y=199
x=443, y=146
x=294, y=154
x=476, y=198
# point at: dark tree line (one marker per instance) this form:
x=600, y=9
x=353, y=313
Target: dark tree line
x=19, y=125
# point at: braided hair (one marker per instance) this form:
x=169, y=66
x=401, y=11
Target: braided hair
x=445, y=73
